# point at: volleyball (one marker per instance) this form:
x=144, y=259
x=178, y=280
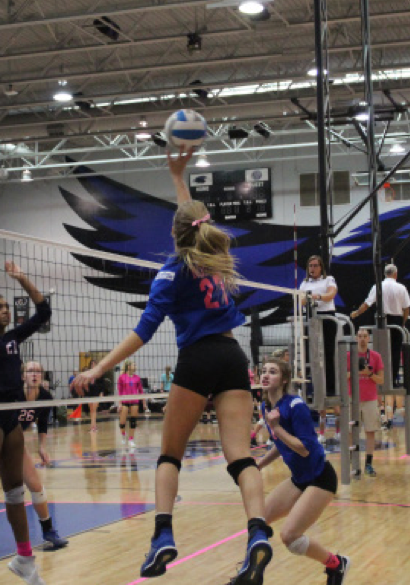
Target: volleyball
x=185, y=128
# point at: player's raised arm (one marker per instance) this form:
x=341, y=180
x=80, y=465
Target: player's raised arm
x=14, y=271
x=177, y=166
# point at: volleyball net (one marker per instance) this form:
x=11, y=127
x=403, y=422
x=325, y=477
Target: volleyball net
x=97, y=298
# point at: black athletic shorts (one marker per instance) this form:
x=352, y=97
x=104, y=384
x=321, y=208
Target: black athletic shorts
x=8, y=420
x=212, y=365
x=327, y=480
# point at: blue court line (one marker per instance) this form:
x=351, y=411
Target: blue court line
x=69, y=519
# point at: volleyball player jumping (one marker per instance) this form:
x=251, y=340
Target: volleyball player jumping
x=11, y=434
x=193, y=288
x=304, y=496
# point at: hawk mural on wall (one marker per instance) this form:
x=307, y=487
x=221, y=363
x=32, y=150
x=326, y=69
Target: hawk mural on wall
x=126, y=221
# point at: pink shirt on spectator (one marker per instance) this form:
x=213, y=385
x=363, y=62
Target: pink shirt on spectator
x=129, y=385
x=367, y=387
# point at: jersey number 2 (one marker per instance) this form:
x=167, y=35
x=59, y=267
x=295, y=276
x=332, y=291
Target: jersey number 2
x=208, y=285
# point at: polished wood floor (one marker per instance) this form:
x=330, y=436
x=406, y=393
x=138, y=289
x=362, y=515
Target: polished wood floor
x=369, y=520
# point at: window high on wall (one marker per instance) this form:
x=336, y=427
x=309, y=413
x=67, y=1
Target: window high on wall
x=309, y=189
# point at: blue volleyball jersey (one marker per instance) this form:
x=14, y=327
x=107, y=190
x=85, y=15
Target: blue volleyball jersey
x=295, y=418
x=197, y=306
x=11, y=383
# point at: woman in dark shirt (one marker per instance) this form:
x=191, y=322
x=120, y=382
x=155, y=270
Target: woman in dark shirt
x=11, y=434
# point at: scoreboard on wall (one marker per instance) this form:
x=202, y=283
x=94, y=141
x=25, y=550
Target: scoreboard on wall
x=234, y=195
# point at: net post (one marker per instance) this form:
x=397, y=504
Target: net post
x=317, y=361
x=344, y=413
x=354, y=385
x=406, y=384
x=382, y=344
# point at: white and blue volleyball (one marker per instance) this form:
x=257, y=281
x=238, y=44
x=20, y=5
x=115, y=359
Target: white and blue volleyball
x=185, y=128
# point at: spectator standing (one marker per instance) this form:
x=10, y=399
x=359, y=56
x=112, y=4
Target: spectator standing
x=371, y=373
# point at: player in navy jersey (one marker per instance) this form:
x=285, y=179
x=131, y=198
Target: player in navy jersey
x=35, y=392
x=193, y=288
x=11, y=434
x=313, y=483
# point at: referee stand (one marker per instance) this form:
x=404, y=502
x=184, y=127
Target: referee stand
x=349, y=422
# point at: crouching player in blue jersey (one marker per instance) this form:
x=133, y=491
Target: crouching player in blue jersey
x=304, y=496
x=11, y=435
x=193, y=288
x=35, y=392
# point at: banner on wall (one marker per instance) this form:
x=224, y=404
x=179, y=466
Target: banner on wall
x=21, y=310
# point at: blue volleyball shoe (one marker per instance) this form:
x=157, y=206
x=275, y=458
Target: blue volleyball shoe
x=258, y=554
x=163, y=551
x=52, y=537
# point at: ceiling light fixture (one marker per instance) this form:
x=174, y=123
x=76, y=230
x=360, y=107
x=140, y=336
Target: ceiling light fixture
x=362, y=116
x=262, y=129
x=63, y=95
x=143, y=135
x=194, y=42
x=397, y=149
x=235, y=132
x=159, y=139
x=143, y=121
x=26, y=176
x=313, y=72
x=202, y=160
x=251, y=7
x=10, y=91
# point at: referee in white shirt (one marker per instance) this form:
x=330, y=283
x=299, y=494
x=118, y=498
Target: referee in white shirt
x=323, y=289
x=396, y=303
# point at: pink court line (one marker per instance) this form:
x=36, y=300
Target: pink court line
x=26, y=504
x=196, y=554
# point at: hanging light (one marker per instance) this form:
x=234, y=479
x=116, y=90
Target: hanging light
x=202, y=160
x=313, y=72
x=63, y=94
x=251, y=7
x=26, y=176
x=143, y=122
x=397, y=149
x=142, y=135
x=362, y=117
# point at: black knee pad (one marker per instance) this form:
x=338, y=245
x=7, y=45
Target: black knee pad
x=236, y=467
x=133, y=422
x=122, y=426
x=168, y=459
